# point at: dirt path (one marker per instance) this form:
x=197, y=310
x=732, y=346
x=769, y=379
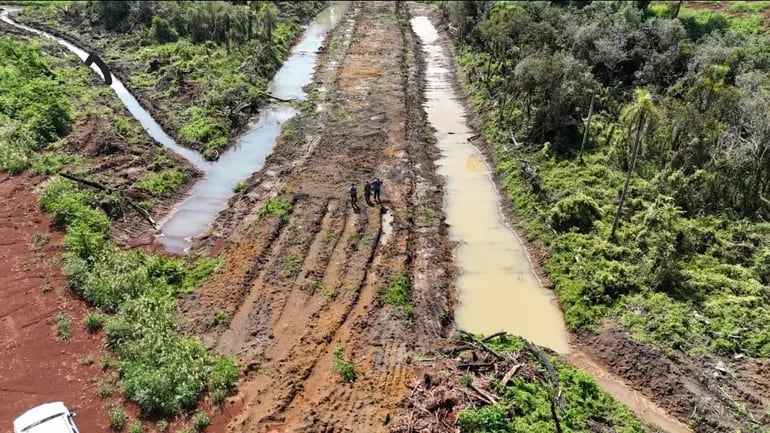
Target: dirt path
x=37, y=367
x=300, y=287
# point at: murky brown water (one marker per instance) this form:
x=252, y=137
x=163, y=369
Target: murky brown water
x=497, y=288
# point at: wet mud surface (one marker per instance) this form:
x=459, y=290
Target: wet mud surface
x=301, y=286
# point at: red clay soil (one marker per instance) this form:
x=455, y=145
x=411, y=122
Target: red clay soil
x=37, y=367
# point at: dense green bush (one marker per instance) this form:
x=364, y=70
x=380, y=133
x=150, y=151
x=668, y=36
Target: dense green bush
x=687, y=263
x=160, y=369
x=35, y=108
x=576, y=211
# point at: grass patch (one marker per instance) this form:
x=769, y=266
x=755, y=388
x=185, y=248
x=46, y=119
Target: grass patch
x=398, y=293
x=748, y=6
x=117, y=418
x=240, y=186
x=136, y=427
x=200, y=421
x=63, y=326
x=291, y=264
x=279, y=207
x=93, y=322
x=162, y=184
x=343, y=368
x=105, y=390
x=219, y=318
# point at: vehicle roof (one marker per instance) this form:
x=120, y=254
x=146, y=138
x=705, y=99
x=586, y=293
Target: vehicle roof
x=56, y=424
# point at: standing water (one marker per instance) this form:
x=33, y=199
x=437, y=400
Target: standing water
x=498, y=291
x=210, y=195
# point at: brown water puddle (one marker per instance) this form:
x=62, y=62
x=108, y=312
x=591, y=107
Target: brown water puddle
x=498, y=289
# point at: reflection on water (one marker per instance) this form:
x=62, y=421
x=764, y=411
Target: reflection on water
x=497, y=288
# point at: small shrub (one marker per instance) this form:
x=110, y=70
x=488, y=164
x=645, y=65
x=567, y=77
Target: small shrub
x=291, y=264
x=117, y=418
x=576, y=211
x=162, y=32
x=278, y=207
x=219, y=318
x=240, y=186
x=161, y=426
x=200, y=421
x=93, y=321
x=466, y=381
x=63, y=327
x=345, y=369
x=105, y=390
x=136, y=427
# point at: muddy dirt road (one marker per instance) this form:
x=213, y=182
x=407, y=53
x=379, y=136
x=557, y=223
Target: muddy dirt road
x=299, y=287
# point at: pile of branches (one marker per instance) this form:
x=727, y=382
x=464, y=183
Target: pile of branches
x=464, y=379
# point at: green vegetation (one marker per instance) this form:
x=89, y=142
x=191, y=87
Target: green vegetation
x=220, y=318
x=677, y=150
x=200, y=421
x=136, y=427
x=240, y=186
x=398, y=293
x=163, y=183
x=748, y=6
x=93, y=321
x=161, y=370
x=63, y=326
x=105, y=390
x=207, y=62
x=525, y=403
x=279, y=207
x=117, y=418
x=291, y=264
x=345, y=369
x=35, y=109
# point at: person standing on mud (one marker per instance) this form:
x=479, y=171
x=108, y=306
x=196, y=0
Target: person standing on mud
x=368, y=193
x=353, y=196
x=377, y=185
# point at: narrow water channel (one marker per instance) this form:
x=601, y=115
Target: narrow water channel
x=209, y=196
x=148, y=123
x=498, y=291
x=498, y=288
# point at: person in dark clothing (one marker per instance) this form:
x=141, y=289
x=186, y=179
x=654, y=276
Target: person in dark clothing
x=376, y=186
x=353, y=196
x=368, y=193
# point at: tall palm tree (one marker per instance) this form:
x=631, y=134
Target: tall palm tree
x=640, y=118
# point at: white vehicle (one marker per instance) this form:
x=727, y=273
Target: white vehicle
x=46, y=418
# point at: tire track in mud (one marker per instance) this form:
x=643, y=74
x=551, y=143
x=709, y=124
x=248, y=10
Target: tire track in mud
x=317, y=284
